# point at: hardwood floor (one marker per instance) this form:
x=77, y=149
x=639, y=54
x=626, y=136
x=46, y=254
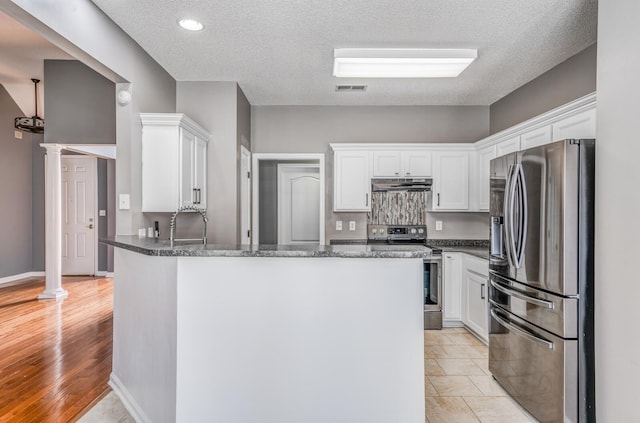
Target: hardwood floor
x=55, y=357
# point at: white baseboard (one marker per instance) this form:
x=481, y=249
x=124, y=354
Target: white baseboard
x=13, y=278
x=104, y=274
x=127, y=400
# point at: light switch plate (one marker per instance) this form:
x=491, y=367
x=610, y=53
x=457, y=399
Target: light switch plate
x=438, y=225
x=123, y=202
x=352, y=225
x=338, y=225
x=17, y=135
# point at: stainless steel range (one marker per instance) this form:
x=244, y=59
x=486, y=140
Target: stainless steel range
x=432, y=288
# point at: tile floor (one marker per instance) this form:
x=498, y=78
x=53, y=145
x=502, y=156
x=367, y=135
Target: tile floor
x=458, y=385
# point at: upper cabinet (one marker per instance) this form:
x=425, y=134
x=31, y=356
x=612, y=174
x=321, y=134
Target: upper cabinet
x=351, y=180
x=174, y=162
x=507, y=146
x=581, y=125
x=402, y=164
x=451, y=180
x=484, y=158
x=539, y=136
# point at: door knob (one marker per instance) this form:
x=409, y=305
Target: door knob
x=90, y=226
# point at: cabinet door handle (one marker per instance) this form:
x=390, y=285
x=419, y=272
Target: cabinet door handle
x=199, y=196
x=408, y=173
x=482, y=291
x=366, y=199
x=438, y=195
x=195, y=196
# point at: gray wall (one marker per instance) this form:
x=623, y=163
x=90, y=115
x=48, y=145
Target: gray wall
x=214, y=106
x=15, y=191
x=112, y=53
x=571, y=79
x=617, y=203
x=310, y=129
x=81, y=110
x=268, y=202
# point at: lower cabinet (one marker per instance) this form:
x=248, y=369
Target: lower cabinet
x=475, y=287
x=452, y=289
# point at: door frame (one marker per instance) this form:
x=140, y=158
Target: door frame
x=255, y=203
x=280, y=198
x=96, y=223
x=246, y=181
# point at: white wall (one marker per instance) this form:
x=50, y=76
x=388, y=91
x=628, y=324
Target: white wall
x=617, y=290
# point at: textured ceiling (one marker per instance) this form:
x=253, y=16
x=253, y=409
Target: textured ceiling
x=281, y=52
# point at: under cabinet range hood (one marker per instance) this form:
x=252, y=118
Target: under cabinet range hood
x=401, y=184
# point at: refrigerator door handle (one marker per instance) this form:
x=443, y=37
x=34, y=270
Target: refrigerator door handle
x=508, y=220
x=521, y=295
x=519, y=331
x=522, y=207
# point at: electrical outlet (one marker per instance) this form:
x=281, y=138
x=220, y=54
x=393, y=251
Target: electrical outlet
x=102, y=213
x=17, y=134
x=142, y=233
x=438, y=225
x=338, y=225
x=352, y=225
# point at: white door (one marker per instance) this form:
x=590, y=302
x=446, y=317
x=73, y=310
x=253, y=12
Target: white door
x=245, y=196
x=298, y=204
x=79, y=215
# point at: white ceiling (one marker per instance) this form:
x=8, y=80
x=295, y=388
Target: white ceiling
x=22, y=55
x=281, y=52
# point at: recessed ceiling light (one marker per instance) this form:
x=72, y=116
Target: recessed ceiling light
x=190, y=24
x=401, y=63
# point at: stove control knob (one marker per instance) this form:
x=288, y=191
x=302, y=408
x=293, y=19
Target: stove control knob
x=420, y=231
x=413, y=231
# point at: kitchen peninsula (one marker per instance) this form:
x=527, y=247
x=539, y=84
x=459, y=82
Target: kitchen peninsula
x=268, y=333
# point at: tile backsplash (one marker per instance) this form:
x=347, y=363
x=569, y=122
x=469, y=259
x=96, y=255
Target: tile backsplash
x=398, y=208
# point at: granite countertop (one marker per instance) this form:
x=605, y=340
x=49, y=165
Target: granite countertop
x=156, y=247
x=477, y=248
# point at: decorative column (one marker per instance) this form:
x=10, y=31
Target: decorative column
x=53, y=224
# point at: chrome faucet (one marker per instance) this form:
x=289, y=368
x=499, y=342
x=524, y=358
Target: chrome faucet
x=172, y=224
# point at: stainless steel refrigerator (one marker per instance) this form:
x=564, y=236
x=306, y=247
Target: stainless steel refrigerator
x=541, y=346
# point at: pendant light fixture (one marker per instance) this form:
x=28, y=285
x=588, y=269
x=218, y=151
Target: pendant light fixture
x=34, y=124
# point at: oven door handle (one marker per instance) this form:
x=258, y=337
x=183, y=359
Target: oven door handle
x=521, y=295
x=525, y=334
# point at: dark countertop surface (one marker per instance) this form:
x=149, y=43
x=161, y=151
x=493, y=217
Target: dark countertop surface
x=156, y=247
x=477, y=248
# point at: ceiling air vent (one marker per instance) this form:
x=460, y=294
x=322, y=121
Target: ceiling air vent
x=351, y=88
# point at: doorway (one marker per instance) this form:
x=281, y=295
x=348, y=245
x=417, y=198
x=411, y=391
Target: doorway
x=304, y=211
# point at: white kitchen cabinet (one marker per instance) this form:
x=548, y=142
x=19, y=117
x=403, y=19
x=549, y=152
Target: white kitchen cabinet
x=351, y=181
x=475, y=288
x=417, y=164
x=451, y=180
x=452, y=289
x=508, y=146
x=536, y=137
x=484, y=158
x=402, y=164
x=581, y=125
x=174, y=162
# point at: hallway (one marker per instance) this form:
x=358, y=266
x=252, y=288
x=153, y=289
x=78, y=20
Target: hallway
x=55, y=357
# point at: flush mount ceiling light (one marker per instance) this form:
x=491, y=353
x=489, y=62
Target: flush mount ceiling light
x=401, y=63
x=190, y=24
